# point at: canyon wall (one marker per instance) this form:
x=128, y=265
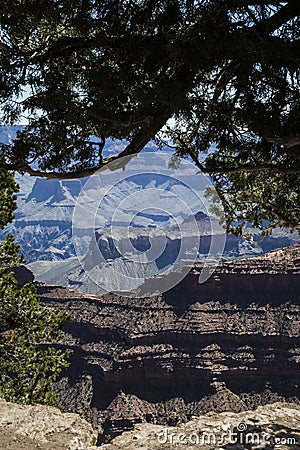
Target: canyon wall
x=229, y=344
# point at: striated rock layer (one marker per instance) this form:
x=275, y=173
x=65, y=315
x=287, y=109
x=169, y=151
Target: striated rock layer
x=228, y=345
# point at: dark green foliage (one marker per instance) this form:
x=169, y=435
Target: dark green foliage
x=226, y=72
x=27, y=371
x=8, y=188
x=28, y=366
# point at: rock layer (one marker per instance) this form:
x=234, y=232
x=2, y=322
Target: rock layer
x=229, y=344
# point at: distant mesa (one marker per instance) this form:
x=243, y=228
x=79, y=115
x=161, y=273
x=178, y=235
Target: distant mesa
x=54, y=191
x=200, y=215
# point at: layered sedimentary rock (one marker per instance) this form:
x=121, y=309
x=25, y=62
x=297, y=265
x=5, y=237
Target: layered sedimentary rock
x=231, y=343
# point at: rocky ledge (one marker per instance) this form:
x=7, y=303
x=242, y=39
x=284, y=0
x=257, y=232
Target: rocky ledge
x=42, y=427
x=270, y=426
x=46, y=428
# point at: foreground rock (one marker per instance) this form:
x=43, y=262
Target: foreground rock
x=270, y=426
x=42, y=427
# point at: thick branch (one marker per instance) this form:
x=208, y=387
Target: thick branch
x=286, y=13
x=287, y=141
x=115, y=162
x=244, y=168
x=252, y=168
x=25, y=168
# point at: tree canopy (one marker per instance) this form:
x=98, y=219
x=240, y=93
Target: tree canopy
x=225, y=71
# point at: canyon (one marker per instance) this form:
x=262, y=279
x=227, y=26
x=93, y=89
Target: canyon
x=229, y=344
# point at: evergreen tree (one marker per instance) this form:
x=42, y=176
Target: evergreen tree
x=28, y=365
x=225, y=71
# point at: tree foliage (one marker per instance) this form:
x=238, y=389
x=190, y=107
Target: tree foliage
x=225, y=71
x=8, y=189
x=28, y=365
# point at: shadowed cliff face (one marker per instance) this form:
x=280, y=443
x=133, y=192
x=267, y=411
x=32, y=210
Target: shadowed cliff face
x=231, y=343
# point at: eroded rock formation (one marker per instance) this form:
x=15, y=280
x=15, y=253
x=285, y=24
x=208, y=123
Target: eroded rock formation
x=230, y=344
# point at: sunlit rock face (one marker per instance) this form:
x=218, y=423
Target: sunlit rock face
x=44, y=230
x=29, y=427
x=272, y=424
x=46, y=428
